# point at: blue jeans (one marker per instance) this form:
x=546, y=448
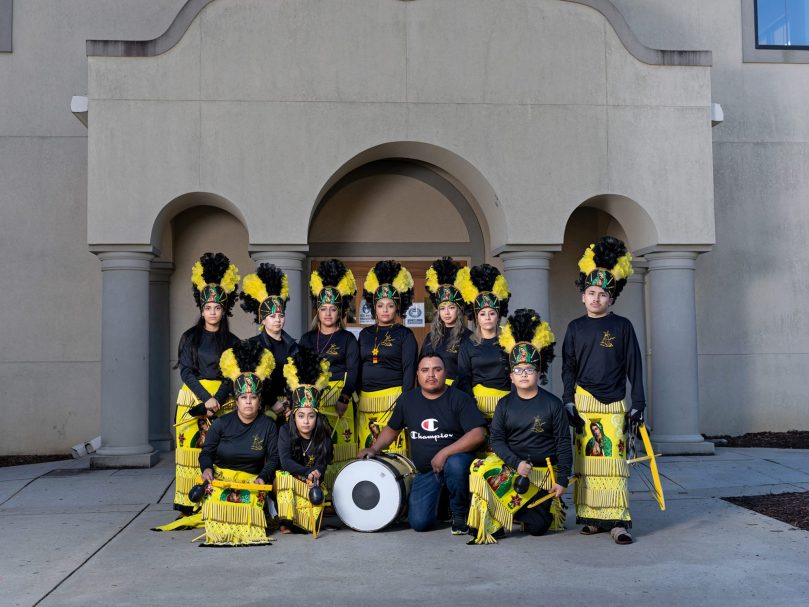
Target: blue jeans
x=426, y=491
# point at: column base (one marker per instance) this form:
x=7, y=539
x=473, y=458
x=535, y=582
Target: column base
x=163, y=445
x=134, y=460
x=685, y=444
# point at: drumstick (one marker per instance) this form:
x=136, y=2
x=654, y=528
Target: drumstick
x=235, y=485
x=549, y=496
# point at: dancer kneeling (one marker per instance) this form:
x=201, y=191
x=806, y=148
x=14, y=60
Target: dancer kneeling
x=304, y=444
x=530, y=439
x=445, y=429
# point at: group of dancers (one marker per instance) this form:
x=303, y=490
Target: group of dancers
x=467, y=407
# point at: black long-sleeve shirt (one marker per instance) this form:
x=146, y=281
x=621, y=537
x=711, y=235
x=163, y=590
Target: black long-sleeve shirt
x=533, y=429
x=600, y=354
x=483, y=364
x=235, y=445
x=396, y=364
x=281, y=349
x=450, y=356
x=207, y=365
x=302, y=467
x=342, y=351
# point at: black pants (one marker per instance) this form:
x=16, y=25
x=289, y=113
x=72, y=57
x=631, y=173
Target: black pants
x=537, y=520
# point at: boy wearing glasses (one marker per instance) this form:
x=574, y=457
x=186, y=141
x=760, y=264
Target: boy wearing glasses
x=529, y=428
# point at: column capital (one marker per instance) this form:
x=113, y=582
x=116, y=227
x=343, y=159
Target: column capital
x=161, y=271
x=125, y=260
x=672, y=260
x=292, y=260
x=527, y=260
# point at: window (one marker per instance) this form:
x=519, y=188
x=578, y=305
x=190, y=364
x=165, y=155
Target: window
x=782, y=24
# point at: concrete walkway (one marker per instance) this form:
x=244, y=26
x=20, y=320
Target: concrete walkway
x=74, y=536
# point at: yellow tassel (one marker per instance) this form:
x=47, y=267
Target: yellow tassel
x=587, y=263
x=230, y=279
x=253, y=286
x=464, y=284
x=431, y=281
x=228, y=365
x=371, y=282
x=403, y=281
x=196, y=276
x=347, y=284
x=266, y=365
x=315, y=283
x=500, y=288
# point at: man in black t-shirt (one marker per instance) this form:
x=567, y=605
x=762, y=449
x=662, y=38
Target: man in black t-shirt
x=445, y=428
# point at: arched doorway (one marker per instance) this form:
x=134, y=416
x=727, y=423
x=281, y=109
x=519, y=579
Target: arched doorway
x=400, y=209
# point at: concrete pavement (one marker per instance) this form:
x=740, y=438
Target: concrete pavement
x=75, y=536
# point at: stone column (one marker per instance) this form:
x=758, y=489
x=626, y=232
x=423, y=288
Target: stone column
x=159, y=356
x=292, y=263
x=632, y=304
x=675, y=385
x=528, y=274
x=125, y=361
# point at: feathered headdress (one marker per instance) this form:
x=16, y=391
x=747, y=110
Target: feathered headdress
x=606, y=264
x=247, y=364
x=484, y=287
x=332, y=283
x=527, y=339
x=440, y=283
x=265, y=292
x=307, y=375
x=389, y=279
x=214, y=279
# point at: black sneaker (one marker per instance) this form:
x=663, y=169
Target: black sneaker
x=459, y=526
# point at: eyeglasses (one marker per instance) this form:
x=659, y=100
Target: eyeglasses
x=520, y=371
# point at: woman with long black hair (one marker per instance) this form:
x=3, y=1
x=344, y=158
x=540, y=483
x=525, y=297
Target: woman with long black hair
x=204, y=393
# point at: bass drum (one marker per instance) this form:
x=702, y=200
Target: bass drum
x=370, y=494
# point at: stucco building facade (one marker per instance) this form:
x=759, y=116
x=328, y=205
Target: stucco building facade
x=514, y=132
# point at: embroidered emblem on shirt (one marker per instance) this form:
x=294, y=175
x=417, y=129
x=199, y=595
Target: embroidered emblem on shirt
x=258, y=443
x=332, y=351
x=607, y=339
x=539, y=426
x=387, y=342
x=310, y=461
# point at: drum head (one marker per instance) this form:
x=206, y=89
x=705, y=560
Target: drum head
x=367, y=495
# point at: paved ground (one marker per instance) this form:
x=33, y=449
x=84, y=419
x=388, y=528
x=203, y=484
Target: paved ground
x=74, y=536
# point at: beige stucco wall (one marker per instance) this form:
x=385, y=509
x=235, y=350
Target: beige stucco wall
x=541, y=98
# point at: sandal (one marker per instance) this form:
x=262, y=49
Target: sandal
x=620, y=536
x=591, y=530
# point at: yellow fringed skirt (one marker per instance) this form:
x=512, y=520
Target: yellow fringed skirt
x=601, y=494
x=343, y=435
x=189, y=436
x=235, y=517
x=373, y=412
x=487, y=399
x=494, y=500
x=292, y=496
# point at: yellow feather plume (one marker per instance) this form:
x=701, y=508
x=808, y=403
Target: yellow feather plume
x=543, y=336
x=347, y=284
x=228, y=364
x=230, y=279
x=464, y=284
x=324, y=377
x=291, y=375
x=196, y=276
x=315, y=283
x=623, y=268
x=586, y=263
x=254, y=287
x=432, y=280
x=284, y=288
x=266, y=365
x=403, y=281
x=500, y=288
x=506, y=340
x=371, y=282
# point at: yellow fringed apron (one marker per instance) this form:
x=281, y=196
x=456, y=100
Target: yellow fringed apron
x=487, y=399
x=343, y=436
x=292, y=495
x=494, y=500
x=235, y=516
x=602, y=493
x=189, y=434
x=373, y=412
